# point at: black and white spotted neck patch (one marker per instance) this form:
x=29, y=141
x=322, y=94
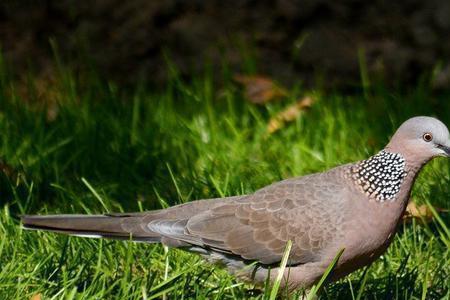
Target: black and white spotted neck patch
x=381, y=175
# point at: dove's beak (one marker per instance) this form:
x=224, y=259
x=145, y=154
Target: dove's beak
x=445, y=149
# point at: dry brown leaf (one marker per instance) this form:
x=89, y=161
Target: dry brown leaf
x=289, y=114
x=421, y=212
x=259, y=89
x=8, y=170
x=43, y=93
x=37, y=296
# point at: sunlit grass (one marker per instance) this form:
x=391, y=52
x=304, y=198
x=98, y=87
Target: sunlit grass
x=105, y=149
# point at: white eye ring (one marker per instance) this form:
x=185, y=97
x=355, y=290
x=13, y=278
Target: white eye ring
x=427, y=137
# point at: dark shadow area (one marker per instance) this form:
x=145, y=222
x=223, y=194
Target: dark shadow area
x=292, y=40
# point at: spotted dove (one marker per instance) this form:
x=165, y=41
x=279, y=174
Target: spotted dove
x=356, y=206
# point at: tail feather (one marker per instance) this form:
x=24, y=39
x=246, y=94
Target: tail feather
x=126, y=226
x=123, y=227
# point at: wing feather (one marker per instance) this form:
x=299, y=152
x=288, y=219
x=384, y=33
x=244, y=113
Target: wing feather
x=257, y=227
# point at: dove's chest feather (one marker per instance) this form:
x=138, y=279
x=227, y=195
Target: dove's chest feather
x=369, y=228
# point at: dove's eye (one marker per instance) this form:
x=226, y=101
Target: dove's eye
x=427, y=137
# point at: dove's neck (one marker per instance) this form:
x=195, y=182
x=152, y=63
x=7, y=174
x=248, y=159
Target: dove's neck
x=387, y=176
x=414, y=158
x=381, y=176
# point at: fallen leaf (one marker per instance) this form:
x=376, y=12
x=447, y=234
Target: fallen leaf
x=259, y=89
x=421, y=212
x=42, y=94
x=37, y=296
x=289, y=114
x=9, y=171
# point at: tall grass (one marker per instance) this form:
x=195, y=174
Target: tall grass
x=82, y=145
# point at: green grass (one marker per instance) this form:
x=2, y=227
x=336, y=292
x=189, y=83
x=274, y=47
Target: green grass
x=110, y=149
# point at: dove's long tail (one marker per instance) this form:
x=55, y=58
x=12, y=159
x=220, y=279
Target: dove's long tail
x=114, y=226
x=164, y=225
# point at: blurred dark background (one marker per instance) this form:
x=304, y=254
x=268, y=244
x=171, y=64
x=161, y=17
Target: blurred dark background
x=291, y=40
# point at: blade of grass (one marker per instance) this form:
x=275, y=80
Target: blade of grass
x=180, y=196
x=363, y=283
x=94, y=192
x=437, y=217
x=425, y=280
x=325, y=276
x=277, y=283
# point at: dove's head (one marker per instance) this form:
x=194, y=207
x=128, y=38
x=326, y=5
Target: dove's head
x=419, y=139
